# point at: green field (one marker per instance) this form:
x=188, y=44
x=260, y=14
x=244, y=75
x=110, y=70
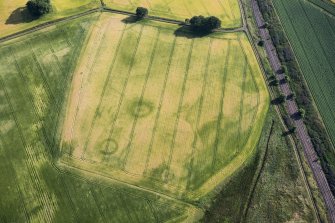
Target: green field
x=164, y=112
x=227, y=10
x=14, y=17
x=315, y=50
x=34, y=74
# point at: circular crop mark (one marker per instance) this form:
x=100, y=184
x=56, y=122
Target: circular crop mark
x=111, y=147
x=140, y=108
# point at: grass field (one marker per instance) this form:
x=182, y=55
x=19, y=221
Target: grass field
x=169, y=113
x=227, y=10
x=35, y=71
x=14, y=17
x=315, y=50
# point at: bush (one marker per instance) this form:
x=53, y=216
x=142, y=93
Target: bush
x=38, y=7
x=141, y=12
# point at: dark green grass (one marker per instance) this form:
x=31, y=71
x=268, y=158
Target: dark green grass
x=35, y=73
x=280, y=194
x=315, y=51
x=269, y=189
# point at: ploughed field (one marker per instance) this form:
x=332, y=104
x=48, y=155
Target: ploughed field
x=227, y=10
x=169, y=113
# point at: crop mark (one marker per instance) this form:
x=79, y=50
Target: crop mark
x=160, y=104
x=96, y=114
x=201, y=102
x=257, y=89
x=141, y=99
x=220, y=116
x=179, y=108
x=96, y=39
x=123, y=90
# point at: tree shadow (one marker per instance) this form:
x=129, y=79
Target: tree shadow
x=130, y=19
x=187, y=32
x=296, y=116
x=20, y=15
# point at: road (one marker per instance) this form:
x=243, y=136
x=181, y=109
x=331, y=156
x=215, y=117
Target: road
x=292, y=110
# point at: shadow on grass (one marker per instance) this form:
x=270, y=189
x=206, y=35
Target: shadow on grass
x=20, y=15
x=187, y=32
x=130, y=19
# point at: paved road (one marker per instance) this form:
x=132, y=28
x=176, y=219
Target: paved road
x=292, y=110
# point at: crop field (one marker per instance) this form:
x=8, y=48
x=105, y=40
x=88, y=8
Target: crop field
x=35, y=71
x=14, y=17
x=315, y=50
x=169, y=113
x=227, y=10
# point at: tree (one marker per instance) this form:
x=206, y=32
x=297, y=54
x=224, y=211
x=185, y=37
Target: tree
x=281, y=98
x=260, y=43
x=204, y=24
x=38, y=7
x=212, y=23
x=141, y=12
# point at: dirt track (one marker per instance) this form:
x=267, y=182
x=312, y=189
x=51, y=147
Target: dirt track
x=292, y=110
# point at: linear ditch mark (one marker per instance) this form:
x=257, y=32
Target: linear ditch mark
x=181, y=100
x=148, y=72
x=257, y=89
x=110, y=69
x=89, y=65
x=160, y=104
x=96, y=114
x=29, y=162
x=257, y=177
x=242, y=102
x=199, y=113
x=223, y=87
x=111, y=131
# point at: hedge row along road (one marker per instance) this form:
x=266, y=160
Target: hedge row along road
x=292, y=110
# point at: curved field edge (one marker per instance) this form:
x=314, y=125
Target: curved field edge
x=34, y=71
x=237, y=162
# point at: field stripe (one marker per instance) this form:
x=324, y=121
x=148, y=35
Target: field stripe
x=160, y=105
x=220, y=117
x=96, y=113
x=179, y=108
x=199, y=113
x=123, y=92
x=153, y=54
